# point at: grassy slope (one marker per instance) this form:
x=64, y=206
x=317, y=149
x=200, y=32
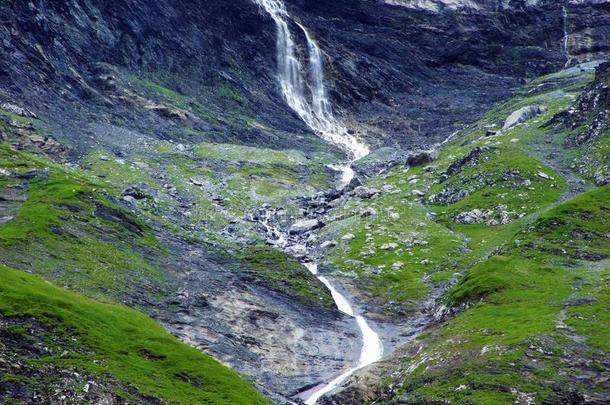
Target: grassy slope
x=71, y=231
x=120, y=343
x=448, y=247
x=536, y=317
x=535, y=288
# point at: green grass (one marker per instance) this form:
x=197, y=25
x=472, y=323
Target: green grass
x=283, y=273
x=114, y=338
x=414, y=233
x=515, y=282
x=515, y=301
x=67, y=231
x=178, y=100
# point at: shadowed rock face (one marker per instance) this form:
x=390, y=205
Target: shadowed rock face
x=400, y=75
x=65, y=60
x=588, y=26
x=409, y=75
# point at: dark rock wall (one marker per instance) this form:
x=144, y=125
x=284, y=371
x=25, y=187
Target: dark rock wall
x=413, y=75
x=400, y=75
x=51, y=50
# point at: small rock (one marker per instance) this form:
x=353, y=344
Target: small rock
x=348, y=237
x=395, y=215
x=196, y=182
x=328, y=243
x=418, y=193
x=134, y=192
x=130, y=200
x=544, y=176
x=368, y=212
x=389, y=246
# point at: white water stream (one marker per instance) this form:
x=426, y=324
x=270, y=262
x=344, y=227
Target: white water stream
x=371, y=351
x=566, y=49
x=305, y=92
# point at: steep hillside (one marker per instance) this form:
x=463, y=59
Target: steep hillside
x=403, y=76
x=59, y=347
x=171, y=230
x=499, y=254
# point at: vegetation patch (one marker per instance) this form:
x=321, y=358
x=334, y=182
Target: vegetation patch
x=107, y=341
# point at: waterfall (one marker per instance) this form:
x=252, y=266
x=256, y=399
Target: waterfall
x=307, y=94
x=565, y=37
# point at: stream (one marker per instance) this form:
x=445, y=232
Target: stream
x=371, y=346
x=304, y=90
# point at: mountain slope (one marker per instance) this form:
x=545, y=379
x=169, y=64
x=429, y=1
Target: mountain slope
x=61, y=347
x=147, y=156
x=512, y=252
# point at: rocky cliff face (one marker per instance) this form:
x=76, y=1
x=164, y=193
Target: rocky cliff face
x=407, y=75
x=398, y=73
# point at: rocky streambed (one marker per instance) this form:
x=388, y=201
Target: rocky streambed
x=299, y=240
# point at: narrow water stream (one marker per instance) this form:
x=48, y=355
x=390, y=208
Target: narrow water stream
x=371, y=346
x=304, y=90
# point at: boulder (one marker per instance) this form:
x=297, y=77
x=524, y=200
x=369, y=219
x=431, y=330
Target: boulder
x=543, y=175
x=469, y=217
x=328, y=243
x=389, y=246
x=304, y=225
x=365, y=192
x=420, y=157
x=134, y=192
x=368, y=212
x=523, y=114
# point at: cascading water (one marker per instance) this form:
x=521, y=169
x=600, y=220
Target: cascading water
x=309, y=99
x=565, y=37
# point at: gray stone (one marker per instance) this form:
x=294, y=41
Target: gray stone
x=544, y=176
x=365, y=192
x=328, y=243
x=389, y=246
x=304, y=225
x=523, y=114
x=368, y=212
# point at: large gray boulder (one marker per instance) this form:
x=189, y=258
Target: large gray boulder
x=523, y=114
x=304, y=225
